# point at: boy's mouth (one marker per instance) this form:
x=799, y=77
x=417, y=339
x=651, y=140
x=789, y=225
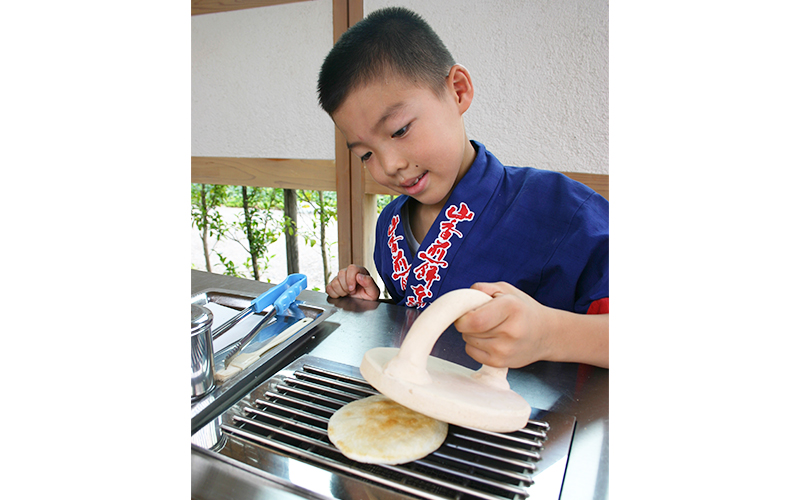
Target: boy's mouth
x=414, y=185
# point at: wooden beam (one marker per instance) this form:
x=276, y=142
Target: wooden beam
x=213, y=6
x=344, y=212
x=372, y=187
x=363, y=226
x=349, y=183
x=318, y=175
x=364, y=216
x=598, y=182
x=339, y=18
x=355, y=11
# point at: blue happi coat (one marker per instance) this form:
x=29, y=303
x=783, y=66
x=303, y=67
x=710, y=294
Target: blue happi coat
x=537, y=230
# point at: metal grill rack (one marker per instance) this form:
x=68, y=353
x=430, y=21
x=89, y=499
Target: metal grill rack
x=289, y=414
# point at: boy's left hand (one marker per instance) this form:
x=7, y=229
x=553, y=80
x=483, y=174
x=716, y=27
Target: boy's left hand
x=510, y=330
x=514, y=330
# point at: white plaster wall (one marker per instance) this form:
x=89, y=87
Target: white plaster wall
x=254, y=80
x=540, y=69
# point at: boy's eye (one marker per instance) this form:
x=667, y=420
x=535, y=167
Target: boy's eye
x=366, y=157
x=400, y=132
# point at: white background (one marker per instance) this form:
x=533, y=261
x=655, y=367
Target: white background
x=96, y=116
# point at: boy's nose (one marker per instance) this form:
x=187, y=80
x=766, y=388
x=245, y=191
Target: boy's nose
x=393, y=163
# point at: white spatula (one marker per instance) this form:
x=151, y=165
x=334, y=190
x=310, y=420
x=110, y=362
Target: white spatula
x=440, y=389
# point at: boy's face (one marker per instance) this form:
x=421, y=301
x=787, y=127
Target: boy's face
x=410, y=139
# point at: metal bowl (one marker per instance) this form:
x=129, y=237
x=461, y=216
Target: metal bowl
x=202, y=352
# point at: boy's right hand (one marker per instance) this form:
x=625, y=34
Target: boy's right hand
x=354, y=281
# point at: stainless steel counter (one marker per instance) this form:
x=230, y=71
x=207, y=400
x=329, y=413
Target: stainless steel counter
x=357, y=326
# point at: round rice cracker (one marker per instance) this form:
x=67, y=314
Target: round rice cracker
x=376, y=430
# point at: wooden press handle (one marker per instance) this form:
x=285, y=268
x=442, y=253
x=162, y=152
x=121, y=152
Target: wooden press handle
x=411, y=361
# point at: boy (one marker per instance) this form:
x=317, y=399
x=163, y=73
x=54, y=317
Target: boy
x=536, y=241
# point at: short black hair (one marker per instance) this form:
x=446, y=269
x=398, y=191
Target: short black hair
x=393, y=39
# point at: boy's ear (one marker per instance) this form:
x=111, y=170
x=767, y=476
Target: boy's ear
x=460, y=84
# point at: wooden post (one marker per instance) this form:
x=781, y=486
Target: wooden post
x=290, y=210
x=349, y=191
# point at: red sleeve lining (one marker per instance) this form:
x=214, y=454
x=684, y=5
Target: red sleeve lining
x=599, y=306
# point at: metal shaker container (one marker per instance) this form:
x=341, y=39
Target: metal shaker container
x=202, y=352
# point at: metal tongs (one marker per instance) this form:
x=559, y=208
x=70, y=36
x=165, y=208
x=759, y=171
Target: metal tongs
x=274, y=301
